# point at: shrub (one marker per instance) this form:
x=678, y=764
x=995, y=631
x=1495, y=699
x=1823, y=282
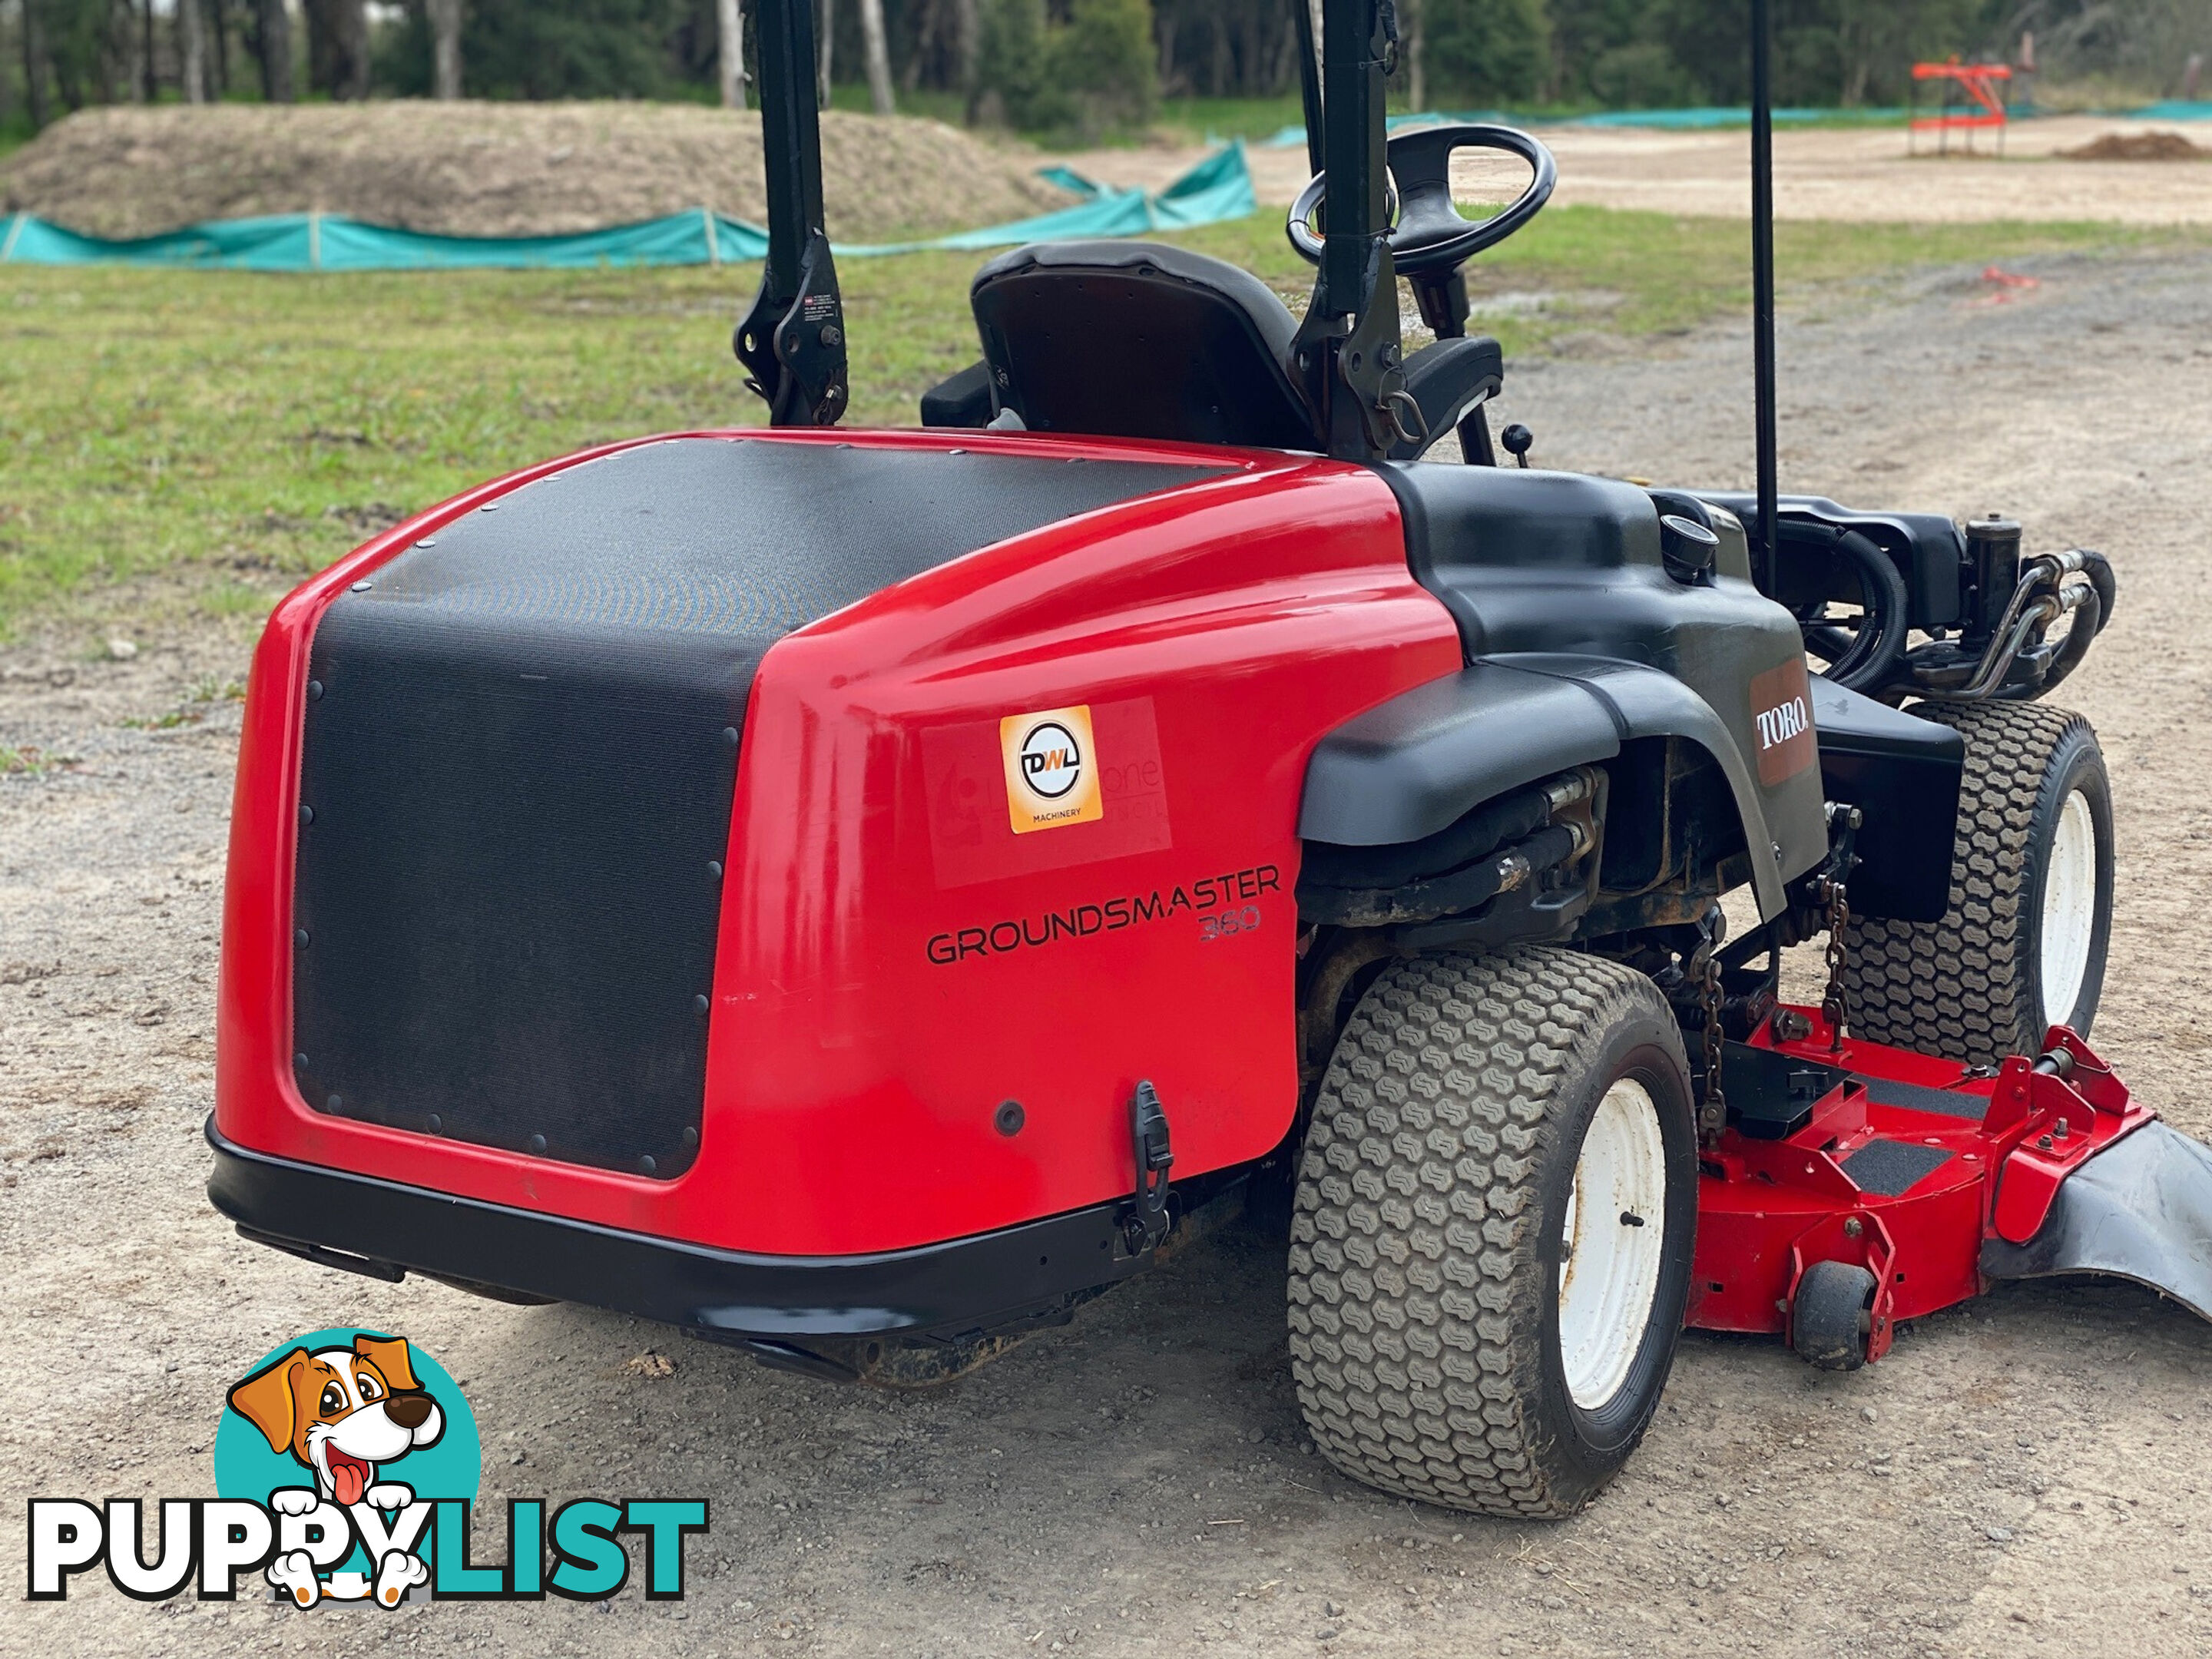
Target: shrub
x=1643, y=74
x=1009, y=62
x=1103, y=60
x=1091, y=73
x=1486, y=51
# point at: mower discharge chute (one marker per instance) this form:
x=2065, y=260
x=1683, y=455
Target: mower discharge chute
x=856, y=896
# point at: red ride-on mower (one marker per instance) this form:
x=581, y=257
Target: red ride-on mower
x=857, y=895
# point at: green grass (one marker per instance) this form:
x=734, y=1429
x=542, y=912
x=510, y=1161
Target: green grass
x=29, y=762
x=226, y=433
x=1248, y=118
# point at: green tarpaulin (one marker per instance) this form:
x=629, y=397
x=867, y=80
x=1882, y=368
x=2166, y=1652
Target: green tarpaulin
x=1220, y=188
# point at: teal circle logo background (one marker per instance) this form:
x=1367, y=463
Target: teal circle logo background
x=245, y=1468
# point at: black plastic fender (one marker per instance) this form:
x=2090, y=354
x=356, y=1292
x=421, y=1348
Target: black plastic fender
x=1408, y=767
x=2141, y=1210
x=1904, y=772
x=1411, y=766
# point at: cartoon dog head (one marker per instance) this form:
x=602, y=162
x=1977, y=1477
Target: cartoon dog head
x=341, y=1412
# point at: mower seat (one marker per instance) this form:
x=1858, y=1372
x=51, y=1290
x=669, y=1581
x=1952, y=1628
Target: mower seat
x=1135, y=340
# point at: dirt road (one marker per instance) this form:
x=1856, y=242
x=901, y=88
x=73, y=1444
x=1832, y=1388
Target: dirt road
x=1820, y=173
x=2028, y=1475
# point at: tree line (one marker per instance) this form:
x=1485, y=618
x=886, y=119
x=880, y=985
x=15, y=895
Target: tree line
x=1043, y=64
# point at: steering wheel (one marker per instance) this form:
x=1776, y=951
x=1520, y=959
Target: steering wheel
x=1429, y=234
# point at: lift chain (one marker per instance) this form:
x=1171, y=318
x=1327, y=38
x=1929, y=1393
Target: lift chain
x=1712, y=1113
x=1834, y=1008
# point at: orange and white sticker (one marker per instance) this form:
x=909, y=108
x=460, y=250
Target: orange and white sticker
x=1782, y=713
x=1052, y=769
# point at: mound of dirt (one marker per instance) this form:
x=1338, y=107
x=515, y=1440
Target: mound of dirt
x=494, y=169
x=2137, y=147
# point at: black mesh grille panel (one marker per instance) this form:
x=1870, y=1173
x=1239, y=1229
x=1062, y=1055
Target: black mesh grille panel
x=521, y=744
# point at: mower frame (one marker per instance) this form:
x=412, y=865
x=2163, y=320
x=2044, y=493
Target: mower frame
x=1452, y=770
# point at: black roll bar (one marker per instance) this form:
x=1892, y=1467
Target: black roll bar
x=1348, y=351
x=792, y=340
x=1762, y=286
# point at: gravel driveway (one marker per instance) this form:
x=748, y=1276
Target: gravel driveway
x=1863, y=174
x=2029, y=1474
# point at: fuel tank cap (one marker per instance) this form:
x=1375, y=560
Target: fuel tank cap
x=1687, y=549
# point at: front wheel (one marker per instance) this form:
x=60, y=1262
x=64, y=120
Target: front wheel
x=2022, y=946
x=1490, y=1254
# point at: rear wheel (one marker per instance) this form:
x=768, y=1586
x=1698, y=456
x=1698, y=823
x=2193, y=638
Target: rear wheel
x=1490, y=1254
x=2021, y=947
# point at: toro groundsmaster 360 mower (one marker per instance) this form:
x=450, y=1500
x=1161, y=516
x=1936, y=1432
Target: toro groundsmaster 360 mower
x=856, y=896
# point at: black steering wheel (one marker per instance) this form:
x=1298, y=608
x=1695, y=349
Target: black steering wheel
x=1429, y=234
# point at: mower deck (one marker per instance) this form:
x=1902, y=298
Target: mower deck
x=1919, y=1171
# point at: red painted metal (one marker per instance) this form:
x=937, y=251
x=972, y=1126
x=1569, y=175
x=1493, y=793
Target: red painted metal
x=893, y=961
x=1767, y=1210
x=1973, y=97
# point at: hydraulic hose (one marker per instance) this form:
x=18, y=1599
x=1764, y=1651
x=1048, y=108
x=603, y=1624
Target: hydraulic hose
x=2089, y=618
x=1864, y=658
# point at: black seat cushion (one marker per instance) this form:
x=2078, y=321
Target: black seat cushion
x=1447, y=377
x=1136, y=340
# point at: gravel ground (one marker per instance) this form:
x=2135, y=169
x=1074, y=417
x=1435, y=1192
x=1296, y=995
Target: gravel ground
x=2027, y=1474
x=1846, y=174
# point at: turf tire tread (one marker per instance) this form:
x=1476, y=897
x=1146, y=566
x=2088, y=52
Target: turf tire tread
x=1961, y=988
x=1416, y=1289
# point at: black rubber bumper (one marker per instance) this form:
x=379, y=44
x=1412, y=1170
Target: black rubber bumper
x=962, y=1287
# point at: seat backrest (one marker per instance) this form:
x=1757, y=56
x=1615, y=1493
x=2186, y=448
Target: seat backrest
x=1135, y=340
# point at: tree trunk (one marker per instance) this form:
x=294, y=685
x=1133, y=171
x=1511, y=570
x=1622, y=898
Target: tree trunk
x=114, y=66
x=825, y=44
x=150, y=81
x=221, y=33
x=1417, y=81
x=970, y=24
x=35, y=66
x=445, y=47
x=273, y=37
x=353, y=15
x=924, y=31
x=323, y=64
x=191, y=50
x=879, y=56
x=337, y=46
x=730, y=48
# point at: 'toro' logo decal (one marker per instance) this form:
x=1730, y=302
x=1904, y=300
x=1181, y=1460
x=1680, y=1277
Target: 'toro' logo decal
x=1781, y=712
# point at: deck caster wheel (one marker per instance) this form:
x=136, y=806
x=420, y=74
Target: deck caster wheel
x=2021, y=947
x=1832, y=1320
x=1490, y=1250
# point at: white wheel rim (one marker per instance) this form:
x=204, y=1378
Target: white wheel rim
x=2070, y=908
x=1609, y=1263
